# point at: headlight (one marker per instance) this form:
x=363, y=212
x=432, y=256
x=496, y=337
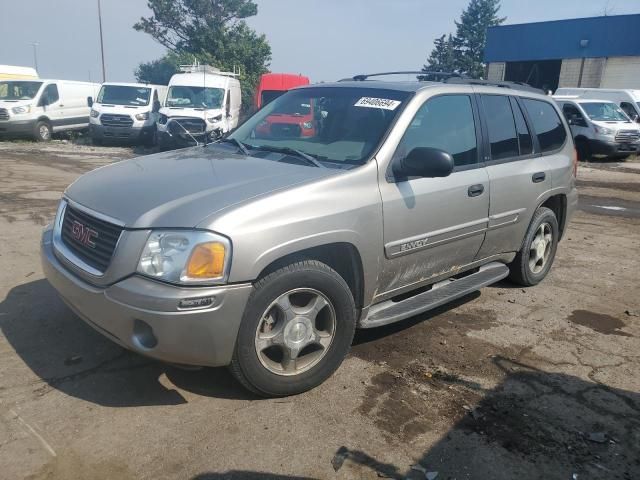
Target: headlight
x=186, y=256
x=215, y=119
x=142, y=116
x=307, y=125
x=23, y=109
x=94, y=113
x=163, y=119
x=603, y=130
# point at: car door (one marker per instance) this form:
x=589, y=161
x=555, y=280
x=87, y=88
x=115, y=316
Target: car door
x=576, y=120
x=518, y=173
x=52, y=106
x=432, y=226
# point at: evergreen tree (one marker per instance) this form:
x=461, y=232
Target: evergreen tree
x=471, y=35
x=442, y=58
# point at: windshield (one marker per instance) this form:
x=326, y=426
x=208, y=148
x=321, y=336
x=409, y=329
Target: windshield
x=124, y=95
x=336, y=124
x=19, y=90
x=195, y=97
x=269, y=96
x=604, y=112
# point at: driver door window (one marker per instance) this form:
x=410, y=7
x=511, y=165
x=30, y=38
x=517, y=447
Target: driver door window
x=50, y=95
x=573, y=115
x=629, y=110
x=447, y=123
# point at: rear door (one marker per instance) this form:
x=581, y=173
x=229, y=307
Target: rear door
x=522, y=136
x=433, y=226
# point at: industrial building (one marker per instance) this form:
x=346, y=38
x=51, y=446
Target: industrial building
x=597, y=52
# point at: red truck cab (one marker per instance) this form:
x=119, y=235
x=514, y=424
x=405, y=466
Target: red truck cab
x=272, y=85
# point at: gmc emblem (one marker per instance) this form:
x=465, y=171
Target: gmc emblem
x=83, y=234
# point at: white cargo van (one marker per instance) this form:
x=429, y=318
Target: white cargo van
x=126, y=111
x=202, y=104
x=599, y=127
x=627, y=100
x=38, y=108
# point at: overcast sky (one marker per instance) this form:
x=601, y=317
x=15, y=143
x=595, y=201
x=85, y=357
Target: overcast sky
x=325, y=39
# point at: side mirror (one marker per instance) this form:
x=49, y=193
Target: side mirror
x=425, y=162
x=156, y=107
x=90, y=101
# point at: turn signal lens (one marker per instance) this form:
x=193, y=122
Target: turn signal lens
x=206, y=261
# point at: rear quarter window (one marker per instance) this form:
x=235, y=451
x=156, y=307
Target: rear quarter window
x=546, y=123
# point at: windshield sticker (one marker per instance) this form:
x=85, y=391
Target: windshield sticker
x=385, y=103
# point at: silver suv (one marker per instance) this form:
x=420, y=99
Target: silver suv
x=337, y=206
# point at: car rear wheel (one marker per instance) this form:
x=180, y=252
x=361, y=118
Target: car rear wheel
x=533, y=261
x=43, y=131
x=296, y=330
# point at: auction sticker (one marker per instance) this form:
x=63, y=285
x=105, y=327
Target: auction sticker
x=384, y=103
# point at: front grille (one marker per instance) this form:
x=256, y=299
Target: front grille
x=285, y=130
x=113, y=120
x=94, y=241
x=4, y=114
x=628, y=136
x=192, y=125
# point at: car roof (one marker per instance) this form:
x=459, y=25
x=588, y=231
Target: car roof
x=415, y=86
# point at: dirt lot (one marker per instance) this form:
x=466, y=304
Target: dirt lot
x=507, y=383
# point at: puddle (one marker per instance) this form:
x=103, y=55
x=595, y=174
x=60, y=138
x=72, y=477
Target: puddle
x=598, y=322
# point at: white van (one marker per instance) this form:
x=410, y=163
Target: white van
x=599, y=127
x=126, y=111
x=37, y=108
x=202, y=104
x=627, y=100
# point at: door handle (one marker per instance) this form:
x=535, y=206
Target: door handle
x=475, y=190
x=538, y=177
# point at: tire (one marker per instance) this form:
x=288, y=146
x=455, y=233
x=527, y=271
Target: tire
x=43, y=131
x=257, y=368
x=521, y=270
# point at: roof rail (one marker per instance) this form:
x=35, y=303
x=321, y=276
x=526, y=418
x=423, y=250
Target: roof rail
x=449, y=77
x=488, y=83
x=421, y=73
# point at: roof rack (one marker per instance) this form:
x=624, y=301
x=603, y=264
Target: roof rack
x=449, y=77
x=363, y=77
x=199, y=68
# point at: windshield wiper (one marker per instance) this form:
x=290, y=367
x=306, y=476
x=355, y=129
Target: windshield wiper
x=241, y=146
x=291, y=151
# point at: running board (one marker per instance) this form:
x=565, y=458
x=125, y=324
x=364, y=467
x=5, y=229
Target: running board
x=439, y=294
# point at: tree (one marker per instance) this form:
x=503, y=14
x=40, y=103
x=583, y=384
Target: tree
x=160, y=71
x=442, y=58
x=212, y=32
x=471, y=35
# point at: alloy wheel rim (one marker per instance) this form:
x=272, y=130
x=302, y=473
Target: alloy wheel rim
x=540, y=248
x=295, y=332
x=44, y=132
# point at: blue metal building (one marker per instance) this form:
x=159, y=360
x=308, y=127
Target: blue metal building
x=584, y=52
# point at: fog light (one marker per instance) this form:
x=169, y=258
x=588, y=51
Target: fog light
x=143, y=334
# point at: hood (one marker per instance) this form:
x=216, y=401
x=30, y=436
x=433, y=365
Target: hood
x=616, y=124
x=181, y=188
x=112, y=108
x=15, y=103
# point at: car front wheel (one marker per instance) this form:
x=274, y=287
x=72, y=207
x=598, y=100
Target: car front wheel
x=296, y=330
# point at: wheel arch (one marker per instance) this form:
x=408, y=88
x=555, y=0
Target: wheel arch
x=343, y=257
x=558, y=205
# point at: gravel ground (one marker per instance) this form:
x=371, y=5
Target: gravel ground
x=507, y=383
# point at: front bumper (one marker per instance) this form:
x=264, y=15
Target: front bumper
x=142, y=315
x=602, y=147
x=18, y=127
x=100, y=132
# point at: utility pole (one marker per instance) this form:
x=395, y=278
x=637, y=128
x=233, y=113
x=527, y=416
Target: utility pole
x=35, y=54
x=104, y=75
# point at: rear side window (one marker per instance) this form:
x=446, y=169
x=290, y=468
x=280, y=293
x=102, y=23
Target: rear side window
x=546, y=123
x=524, y=136
x=445, y=122
x=501, y=125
